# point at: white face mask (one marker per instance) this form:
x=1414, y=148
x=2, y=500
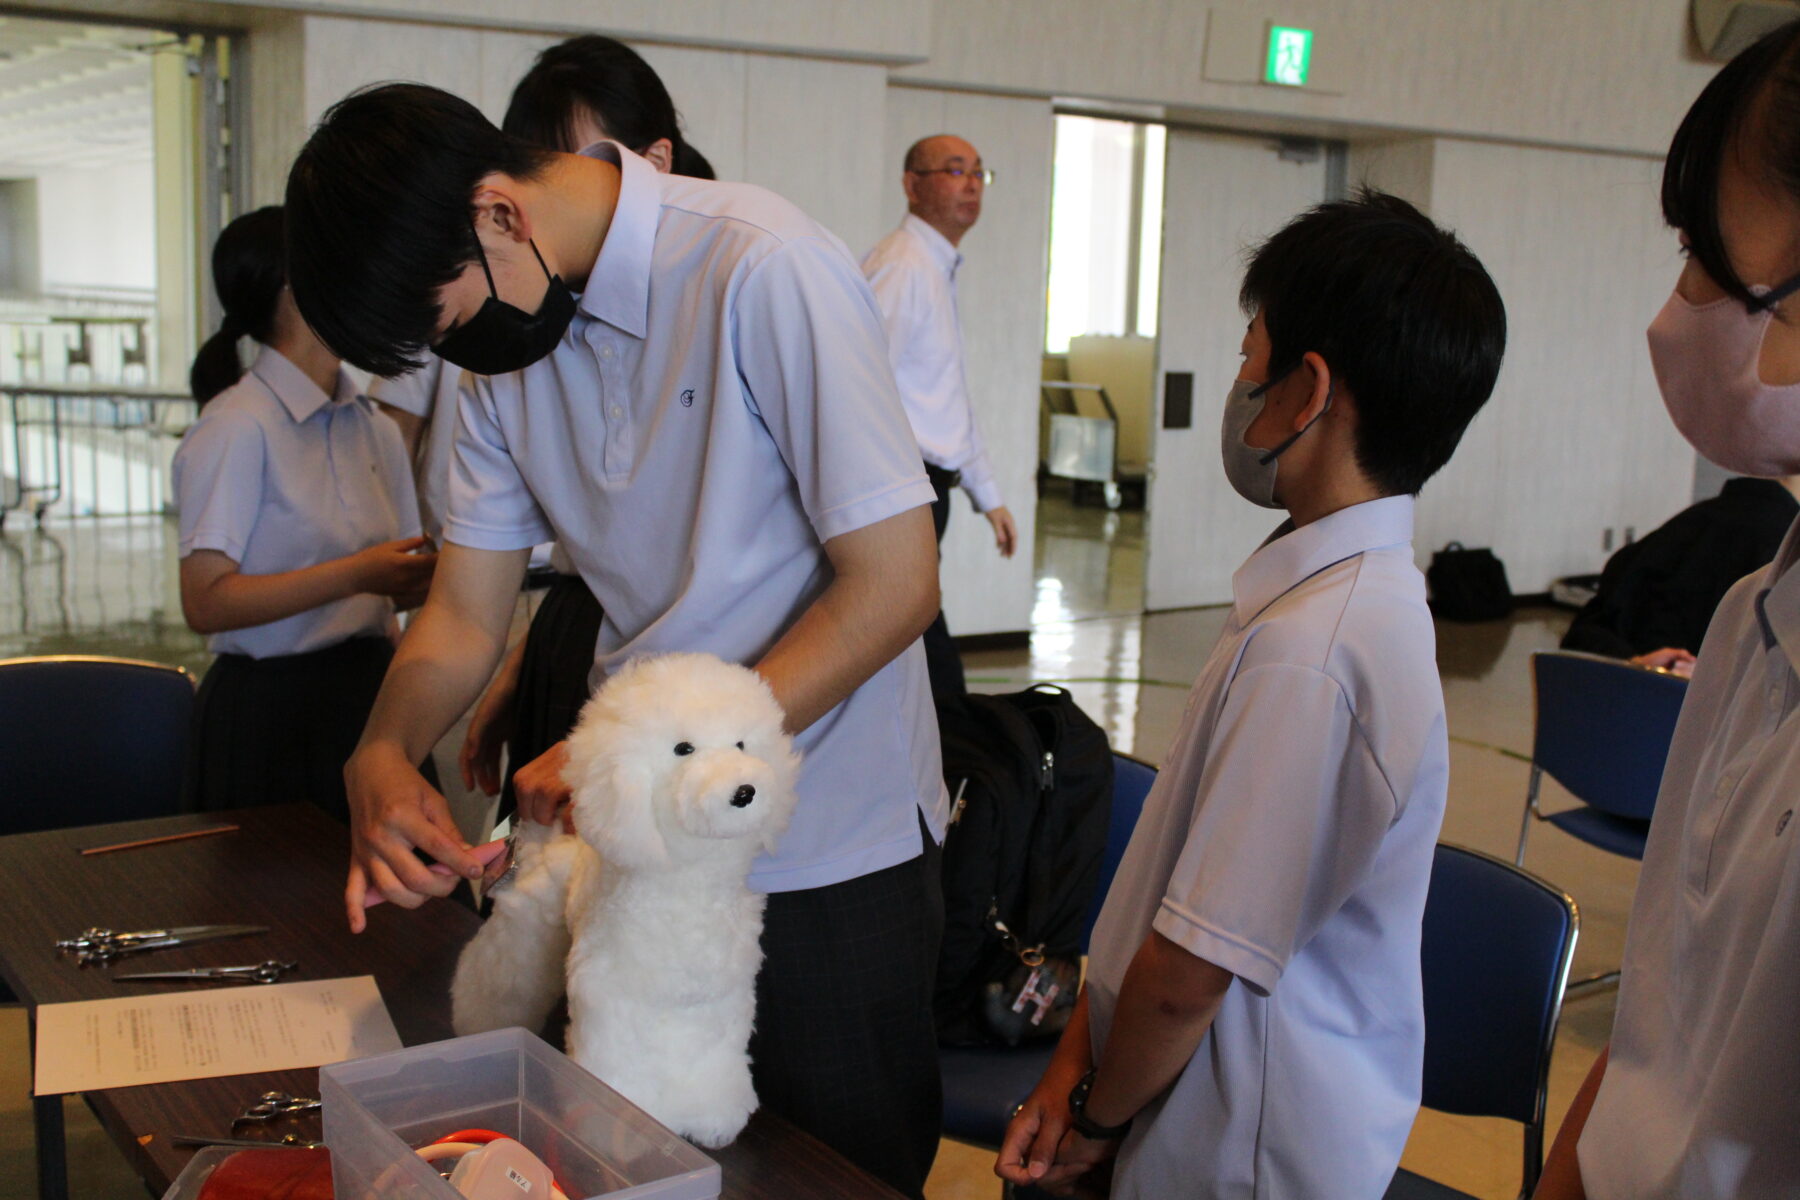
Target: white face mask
x=1250, y=469
x=1706, y=358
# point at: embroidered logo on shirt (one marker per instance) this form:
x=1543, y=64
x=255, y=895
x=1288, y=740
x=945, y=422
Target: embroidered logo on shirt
x=687, y=398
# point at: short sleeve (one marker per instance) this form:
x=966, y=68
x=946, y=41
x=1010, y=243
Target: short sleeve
x=491, y=507
x=396, y=472
x=811, y=353
x=218, y=478
x=414, y=392
x=1293, y=811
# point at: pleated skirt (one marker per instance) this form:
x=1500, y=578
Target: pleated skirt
x=278, y=730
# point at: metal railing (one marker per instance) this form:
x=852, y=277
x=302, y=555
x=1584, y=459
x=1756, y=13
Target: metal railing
x=74, y=452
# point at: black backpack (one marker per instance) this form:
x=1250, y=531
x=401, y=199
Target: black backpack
x=1468, y=585
x=1030, y=779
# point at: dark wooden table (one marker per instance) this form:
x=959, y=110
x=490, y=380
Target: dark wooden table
x=284, y=869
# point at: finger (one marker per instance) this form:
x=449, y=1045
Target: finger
x=437, y=836
x=390, y=888
x=1019, y=1134
x=396, y=851
x=412, y=543
x=1043, y=1149
x=356, y=891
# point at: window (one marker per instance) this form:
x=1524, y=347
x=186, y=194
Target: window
x=1105, y=228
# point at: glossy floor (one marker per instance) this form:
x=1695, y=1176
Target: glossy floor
x=109, y=587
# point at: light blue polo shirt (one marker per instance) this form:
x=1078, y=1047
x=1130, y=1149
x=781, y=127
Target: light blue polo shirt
x=1289, y=839
x=276, y=475
x=720, y=407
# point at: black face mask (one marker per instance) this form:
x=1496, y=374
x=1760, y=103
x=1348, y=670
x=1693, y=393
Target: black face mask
x=501, y=338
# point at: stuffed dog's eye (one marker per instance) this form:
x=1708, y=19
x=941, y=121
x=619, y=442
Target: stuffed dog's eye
x=684, y=747
x=740, y=745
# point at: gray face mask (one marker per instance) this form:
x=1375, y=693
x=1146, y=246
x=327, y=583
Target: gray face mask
x=1250, y=469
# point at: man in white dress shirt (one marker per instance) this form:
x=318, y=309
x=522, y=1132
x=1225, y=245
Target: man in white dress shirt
x=913, y=273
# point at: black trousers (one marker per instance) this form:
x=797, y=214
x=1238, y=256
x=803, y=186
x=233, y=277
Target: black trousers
x=941, y=658
x=279, y=730
x=844, y=1045
x=553, y=676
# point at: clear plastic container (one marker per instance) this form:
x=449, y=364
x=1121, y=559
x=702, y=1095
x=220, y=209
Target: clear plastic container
x=596, y=1142
x=187, y=1185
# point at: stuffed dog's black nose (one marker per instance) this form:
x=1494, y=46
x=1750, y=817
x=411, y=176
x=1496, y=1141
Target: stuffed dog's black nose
x=743, y=796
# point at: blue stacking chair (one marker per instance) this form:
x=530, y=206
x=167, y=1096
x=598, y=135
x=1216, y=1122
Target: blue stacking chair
x=984, y=1085
x=1602, y=730
x=1495, y=952
x=91, y=740
x=86, y=740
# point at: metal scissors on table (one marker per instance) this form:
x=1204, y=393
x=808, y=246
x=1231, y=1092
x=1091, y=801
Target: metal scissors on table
x=272, y=1106
x=262, y=972
x=92, y=946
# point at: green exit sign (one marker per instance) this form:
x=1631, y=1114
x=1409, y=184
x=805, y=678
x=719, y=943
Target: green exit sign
x=1289, y=60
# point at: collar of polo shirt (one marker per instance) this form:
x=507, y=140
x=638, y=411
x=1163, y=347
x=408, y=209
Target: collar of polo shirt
x=297, y=393
x=618, y=288
x=1298, y=554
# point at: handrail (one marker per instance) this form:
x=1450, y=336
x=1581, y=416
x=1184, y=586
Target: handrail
x=45, y=425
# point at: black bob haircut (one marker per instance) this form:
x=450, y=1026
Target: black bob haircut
x=1403, y=314
x=1766, y=74
x=379, y=216
x=613, y=83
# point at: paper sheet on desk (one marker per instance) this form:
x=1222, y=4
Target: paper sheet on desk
x=199, y=1033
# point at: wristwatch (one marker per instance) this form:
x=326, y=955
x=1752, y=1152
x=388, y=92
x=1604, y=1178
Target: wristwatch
x=1079, y=1118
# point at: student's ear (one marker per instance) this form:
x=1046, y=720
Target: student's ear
x=1315, y=370
x=660, y=154
x=496, y=206
x=910, y=183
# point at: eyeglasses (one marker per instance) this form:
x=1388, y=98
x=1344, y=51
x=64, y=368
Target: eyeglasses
x=982, y=173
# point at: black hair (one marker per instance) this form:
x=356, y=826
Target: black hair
x=1767, y=73
x=1405, y=316
x=379, y=216
x=612, y=82
x=249, y=266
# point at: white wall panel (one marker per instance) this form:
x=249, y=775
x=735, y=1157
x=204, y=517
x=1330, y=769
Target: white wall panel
x=275, y=66
x=892, y=31
x=1613, y=74
x=708, y=87
x=1224, y=194
x=343, y=55
x=1575, y=439
x=812, y=133
x=1000, y=293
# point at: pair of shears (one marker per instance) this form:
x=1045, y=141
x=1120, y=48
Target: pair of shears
x=92, y=946
x=262, y=972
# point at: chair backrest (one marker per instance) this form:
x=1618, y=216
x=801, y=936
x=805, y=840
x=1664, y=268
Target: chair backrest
x=1131, y=784
x=89, y=740
x=1495, y=952
x=1603, y=728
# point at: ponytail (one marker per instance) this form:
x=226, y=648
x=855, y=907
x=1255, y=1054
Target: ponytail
x=690, y=162
x=249, y=263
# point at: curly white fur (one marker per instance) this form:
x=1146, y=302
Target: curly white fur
x=682, y=774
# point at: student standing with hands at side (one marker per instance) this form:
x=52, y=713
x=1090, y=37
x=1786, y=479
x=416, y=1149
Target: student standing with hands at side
x=299, y=532
x=1697, y=1096
x=1253, y=1020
